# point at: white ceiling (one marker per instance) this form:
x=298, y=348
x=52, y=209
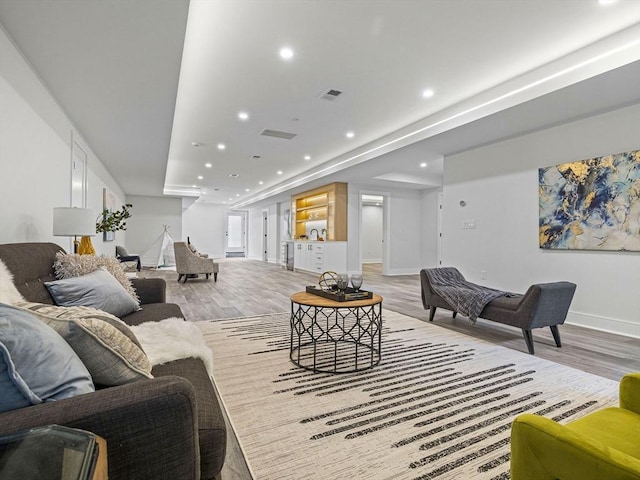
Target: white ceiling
x=140, y=99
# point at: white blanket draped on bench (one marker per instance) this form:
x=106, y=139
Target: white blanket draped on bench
x=467, y=298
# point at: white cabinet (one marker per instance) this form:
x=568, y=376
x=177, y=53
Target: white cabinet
x=318, y=257
x=335, y=257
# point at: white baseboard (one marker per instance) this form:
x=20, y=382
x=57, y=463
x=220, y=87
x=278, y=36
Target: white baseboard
x=403, y=271
x=618, y=326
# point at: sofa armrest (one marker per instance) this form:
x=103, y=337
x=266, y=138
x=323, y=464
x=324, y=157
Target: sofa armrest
x=630, y=392
x=542, y=449
x=150, y=290
x=154, y=419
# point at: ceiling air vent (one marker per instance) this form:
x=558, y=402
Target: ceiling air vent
x=256, y=157
x=331, y=94
x=277, y=134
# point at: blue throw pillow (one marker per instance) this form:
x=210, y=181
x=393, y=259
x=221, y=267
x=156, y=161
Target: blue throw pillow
x=36, y=364
x=98, y=289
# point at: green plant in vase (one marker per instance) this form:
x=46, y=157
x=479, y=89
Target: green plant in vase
x=110, y=221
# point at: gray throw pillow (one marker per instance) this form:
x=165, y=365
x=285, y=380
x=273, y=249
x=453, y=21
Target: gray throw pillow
x=97, y=289
x=110, y=351
x=68, y=265
x=36, y=364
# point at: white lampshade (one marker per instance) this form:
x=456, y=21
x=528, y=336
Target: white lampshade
x=69, y=222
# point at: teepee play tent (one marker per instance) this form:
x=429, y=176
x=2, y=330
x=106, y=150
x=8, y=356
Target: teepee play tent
x=160, y=253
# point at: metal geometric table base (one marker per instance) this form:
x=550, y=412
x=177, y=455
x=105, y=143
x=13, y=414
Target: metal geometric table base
x=335, y=339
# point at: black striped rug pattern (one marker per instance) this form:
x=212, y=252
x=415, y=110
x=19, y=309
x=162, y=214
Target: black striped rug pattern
x=439, y=405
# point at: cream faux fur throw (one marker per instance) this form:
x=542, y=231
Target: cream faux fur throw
x=9, y=294
x=173, y=339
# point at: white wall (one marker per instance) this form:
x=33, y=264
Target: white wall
x=429, y=228
x=499, y=184
x=403, y=235
x=371, y=234
x=35, y=158
x=273, y=234
x=205, y=225
x=254, y=233
x=146, y=225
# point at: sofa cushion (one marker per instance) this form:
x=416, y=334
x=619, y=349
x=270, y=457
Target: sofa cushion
x=111, y=356
x=153, y=312
x=9, y=294
x=72, y=265
x=36, y=364
x=98, y=289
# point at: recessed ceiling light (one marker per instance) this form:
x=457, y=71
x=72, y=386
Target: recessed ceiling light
x=307, y=157
x=247, y=190
x=286, y=53
x=243, y=116
x=428, y=93
x=350, y=134
x=260, y=182
x=208, y=165
x=200, y=177
x=279, y=172
x=237, y=194
x=423, y=164
x=234, y=175
x=221, y=146
x=194, y=186
x=606, y=2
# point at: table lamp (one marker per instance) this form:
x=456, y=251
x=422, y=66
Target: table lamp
x=74, y=222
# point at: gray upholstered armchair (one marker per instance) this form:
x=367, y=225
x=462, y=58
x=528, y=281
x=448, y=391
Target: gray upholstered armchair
x=189, y=263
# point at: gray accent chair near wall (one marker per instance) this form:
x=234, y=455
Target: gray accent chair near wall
x=543, y=305
x=189, y=264
x=129, y=260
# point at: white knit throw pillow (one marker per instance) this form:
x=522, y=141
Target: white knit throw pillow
x=68, y=265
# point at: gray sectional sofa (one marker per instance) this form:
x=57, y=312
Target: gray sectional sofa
x=169, y=427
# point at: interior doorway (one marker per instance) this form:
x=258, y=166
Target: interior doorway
x=236, y=235
x=373, y=248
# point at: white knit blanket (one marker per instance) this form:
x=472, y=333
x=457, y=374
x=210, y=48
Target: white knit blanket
x=173, y=339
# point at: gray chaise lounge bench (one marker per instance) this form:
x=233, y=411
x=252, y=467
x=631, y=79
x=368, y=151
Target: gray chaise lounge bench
x=543, y=305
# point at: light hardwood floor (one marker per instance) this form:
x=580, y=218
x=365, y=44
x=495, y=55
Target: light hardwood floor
x=249, y=287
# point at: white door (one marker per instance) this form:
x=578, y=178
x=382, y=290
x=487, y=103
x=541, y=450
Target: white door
x=236, y=234
x=265, y=236
x=440, y=229
x=78, y=177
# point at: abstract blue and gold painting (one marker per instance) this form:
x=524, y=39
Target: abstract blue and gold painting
x=591, y=204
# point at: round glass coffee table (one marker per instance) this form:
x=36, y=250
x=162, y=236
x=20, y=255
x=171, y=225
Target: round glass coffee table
x=335, y=337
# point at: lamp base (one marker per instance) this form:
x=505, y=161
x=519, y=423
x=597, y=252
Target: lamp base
x=86, y=247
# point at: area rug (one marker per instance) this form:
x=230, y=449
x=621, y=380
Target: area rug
x=438, y=406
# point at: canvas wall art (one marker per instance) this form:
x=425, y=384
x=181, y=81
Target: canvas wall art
x=591, y=204
x=108, y=203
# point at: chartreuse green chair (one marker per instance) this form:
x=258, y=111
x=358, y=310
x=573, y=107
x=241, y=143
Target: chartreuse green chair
x=604, y=445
